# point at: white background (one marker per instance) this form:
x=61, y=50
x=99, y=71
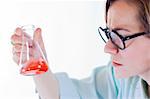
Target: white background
x=70, y=34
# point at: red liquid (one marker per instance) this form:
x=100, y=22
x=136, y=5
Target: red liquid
x=34, y=67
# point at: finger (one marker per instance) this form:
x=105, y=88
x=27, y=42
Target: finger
x=18, y=31
x=20, y=36
x=37, y=35
x=15, y=39
x=16, y=48
x=16, y=58
x=19, y=48
x=38, y=38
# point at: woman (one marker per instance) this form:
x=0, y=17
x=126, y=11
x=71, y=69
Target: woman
x=127, y=37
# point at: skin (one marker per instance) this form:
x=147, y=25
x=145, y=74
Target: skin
x=46, y=84
x=16, y=40
x=135, y=59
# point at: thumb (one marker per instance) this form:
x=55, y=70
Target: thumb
x=37, y=37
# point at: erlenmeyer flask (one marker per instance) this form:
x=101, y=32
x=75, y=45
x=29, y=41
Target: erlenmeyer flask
x=32, y=59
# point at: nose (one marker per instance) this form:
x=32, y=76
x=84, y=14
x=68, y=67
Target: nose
x=110, y=48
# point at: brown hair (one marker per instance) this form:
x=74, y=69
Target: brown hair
x=143, y=9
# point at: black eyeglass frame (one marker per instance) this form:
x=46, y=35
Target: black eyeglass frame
x=123, y=38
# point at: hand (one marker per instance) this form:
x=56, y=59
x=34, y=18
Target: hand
x=16, y=40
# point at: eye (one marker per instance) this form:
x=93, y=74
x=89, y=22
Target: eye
x=116, y=40
x=123, y=32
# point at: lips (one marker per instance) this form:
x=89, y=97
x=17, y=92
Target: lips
x=116, y=64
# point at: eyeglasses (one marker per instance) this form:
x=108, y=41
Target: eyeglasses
x=117, y=39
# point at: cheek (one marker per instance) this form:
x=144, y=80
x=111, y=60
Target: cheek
x=128, y=55
x=135, y=56
x=135, y=63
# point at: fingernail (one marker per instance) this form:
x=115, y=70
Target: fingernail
x=38, y=30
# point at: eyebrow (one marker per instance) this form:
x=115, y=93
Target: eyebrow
x=119, y=28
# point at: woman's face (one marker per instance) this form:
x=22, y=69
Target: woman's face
x=135, y=58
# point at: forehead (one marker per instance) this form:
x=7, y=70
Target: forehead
x=122, y=14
